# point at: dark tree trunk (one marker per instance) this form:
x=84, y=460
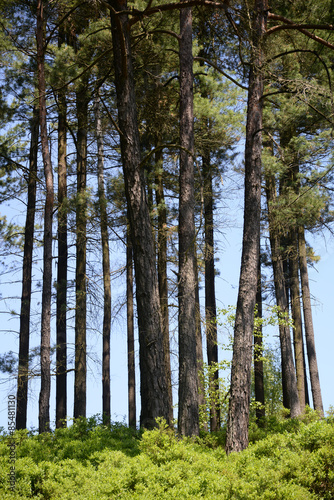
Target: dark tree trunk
x=154, y=387
x=44, y=397
x=188, y=411
x=162, y=270
x=105, y=268
x=309, y=331
x=80, y=381
x=297, y=319
x=23, y=369
x=238, y=414
x=258, y=356
x=130, y=333
x=289, y=381
x=61, y=355
x=210, y=294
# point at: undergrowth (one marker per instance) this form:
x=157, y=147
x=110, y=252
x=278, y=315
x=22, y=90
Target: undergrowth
x=286, y=459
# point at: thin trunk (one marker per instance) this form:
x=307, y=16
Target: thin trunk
x=238, y=414
x=309, y=332
x=23, y=369
x=297, y=318
x=80, y=382
x=258, y=356
x=289, y=381
x=61, y=356
x=105, y=267
x=154, y=387
x=130, y=333
x=210, y=294
x=44, y=397
x=199, y=346
x=188, y=411
x=162, y=270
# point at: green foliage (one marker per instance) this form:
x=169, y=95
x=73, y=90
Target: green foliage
x=293, y=459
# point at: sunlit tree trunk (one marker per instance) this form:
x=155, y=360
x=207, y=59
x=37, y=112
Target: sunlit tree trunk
x=309, y=331
x=44, y=397
x=188, y=412
x=289, y=381
x=105, y=267
x=238, y=414
x=130, y=332
x=258, y=356
x=153, y=382
x=80, y=377
x=162, y=269
x=23, y=369
x=210, y=293
x=61, y=325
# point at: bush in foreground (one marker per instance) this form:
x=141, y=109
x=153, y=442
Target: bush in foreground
x=92, y=461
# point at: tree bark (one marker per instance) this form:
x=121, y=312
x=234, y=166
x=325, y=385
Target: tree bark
x=297, y=319
x=130, y=333
x=105, y=267
x=162, y=270
x=289, y=381
x=23, y=369
x=61, y=325
x=153, y=382
x=258, y=356
x=80, y=381
x=309, y=331
x=210, y=293
x=188, y=411
x=44, y=397
x=238, y=414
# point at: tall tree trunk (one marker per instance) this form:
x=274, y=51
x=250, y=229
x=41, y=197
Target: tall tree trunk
x=61, y=355
x=188, y=414
x=80, y=381
x=44, y=397
x=289, y=381
x=105, y=267
x=130, y=333
x=309, y=331
x=199, y=346
x=162, y=270
x=23, y=369
x=258, y=356
x=238, y=414
x=210, y=294
x=153, y=382
x=297, y=319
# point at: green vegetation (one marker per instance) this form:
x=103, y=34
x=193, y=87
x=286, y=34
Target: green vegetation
x=289, y=459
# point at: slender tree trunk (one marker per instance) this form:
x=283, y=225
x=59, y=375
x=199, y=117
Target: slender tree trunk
x=188, y=415
x=289, y=381
x=210, y=294
x=80, y=381
x=105, y=267
x=154, y=387
x=297, y=319
x=23, y=369
x=61, y=355
x=238, y=414
x=130, y=332
x=258, y=356
x=44, y=397
x=199, y=345
x=162, y=270
x=309, y=331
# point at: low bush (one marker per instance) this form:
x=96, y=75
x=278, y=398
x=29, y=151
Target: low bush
x=295, y=460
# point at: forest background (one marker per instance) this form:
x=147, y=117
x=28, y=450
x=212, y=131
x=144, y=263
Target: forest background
x=227, y=240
